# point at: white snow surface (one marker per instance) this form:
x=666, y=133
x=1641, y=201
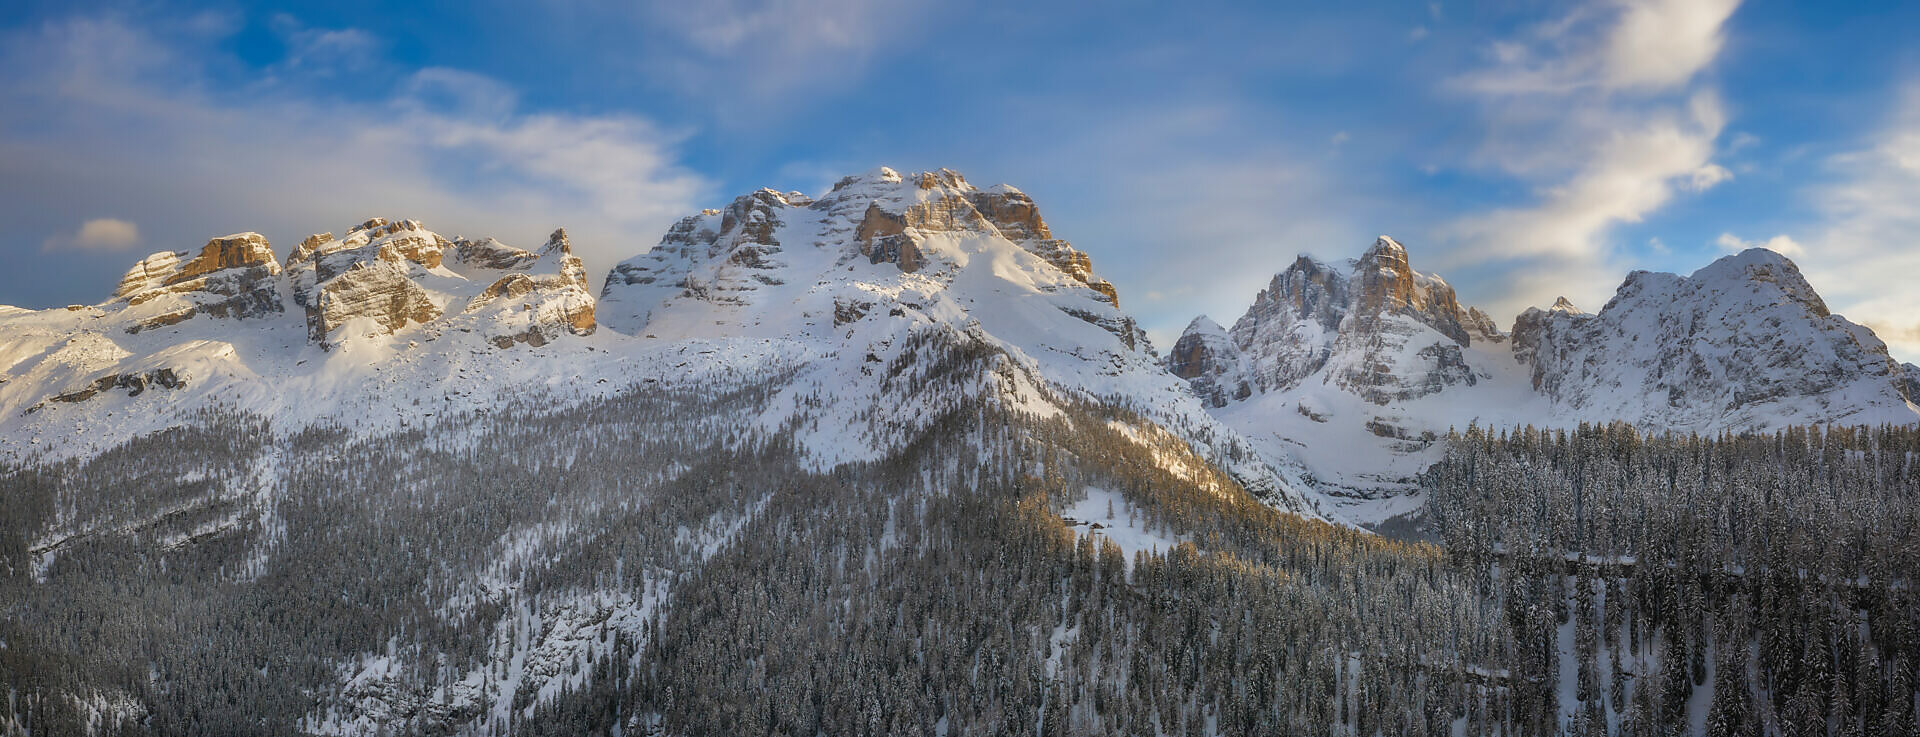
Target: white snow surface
x=1108, y=515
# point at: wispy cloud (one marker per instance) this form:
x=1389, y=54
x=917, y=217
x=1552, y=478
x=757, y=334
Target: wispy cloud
x=98, y=234
x=110, y=113
x=1603, y=115
x=1630, y=45
x=1864, y=261
x=745, y=58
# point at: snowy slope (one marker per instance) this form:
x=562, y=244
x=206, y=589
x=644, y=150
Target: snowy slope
x=885, y=264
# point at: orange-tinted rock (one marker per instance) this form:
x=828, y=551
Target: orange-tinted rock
x=231, y=277
x=379, y=291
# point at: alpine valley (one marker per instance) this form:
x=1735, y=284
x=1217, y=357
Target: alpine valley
x=894, y=459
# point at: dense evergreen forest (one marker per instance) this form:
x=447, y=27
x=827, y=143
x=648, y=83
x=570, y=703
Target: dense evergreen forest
x=642, y=566
x=1731, y=585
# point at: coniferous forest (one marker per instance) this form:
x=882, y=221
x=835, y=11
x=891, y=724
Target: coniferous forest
x=618, y=568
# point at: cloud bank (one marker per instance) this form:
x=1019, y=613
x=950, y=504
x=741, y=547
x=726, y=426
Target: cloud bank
x=110, y=113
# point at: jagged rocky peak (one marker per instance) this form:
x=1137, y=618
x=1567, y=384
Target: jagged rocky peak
x=1534, y=323
x=1387, y=284
x=368, y=275
x=549, y=293
x=1375, y=325
x=734, y=248
x=1482, y=327
x=1206, y=357
x=901, y=211
x=728, y=255
x=389, y=274
x=232, y=276
x=1742, y=342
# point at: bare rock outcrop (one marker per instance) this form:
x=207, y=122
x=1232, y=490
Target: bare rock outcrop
x=392, y=274
x=539, y=299
x=233, y=276
x=1207, y=358
x=1372, y=325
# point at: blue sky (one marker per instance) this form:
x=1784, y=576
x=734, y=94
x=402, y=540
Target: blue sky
x=1523, y=150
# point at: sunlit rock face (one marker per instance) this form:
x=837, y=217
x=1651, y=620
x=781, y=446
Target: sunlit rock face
x=386, y=275
x=1377, y=328
x=538, y=299
x=231, y=277
x=732, y=256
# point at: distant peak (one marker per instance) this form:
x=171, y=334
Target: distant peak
x=1385, y=246
x=381, y=227
x=1203, y=324
x=886, y=178
x=878, y=175
x=558, y=240
x=1747, y=261
x=1565, y=306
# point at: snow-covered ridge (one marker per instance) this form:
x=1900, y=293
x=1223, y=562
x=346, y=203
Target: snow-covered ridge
x=1349, y=372
x=865, y=314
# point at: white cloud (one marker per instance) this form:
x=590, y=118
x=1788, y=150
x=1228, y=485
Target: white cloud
x=1862, y=259
x=108, y=112
x=99, y=234
x=1663, y=43
x=1629, y=45
x=1780, y=244
x=323, y=50
x=1602, y=115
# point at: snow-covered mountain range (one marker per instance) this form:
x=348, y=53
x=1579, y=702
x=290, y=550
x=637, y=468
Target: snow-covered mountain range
x=468, y=491
x=847, y=301
x=1326, y=398
x=1348, y=373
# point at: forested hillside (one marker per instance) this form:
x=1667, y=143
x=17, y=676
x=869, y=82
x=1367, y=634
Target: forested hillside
x=619, y=568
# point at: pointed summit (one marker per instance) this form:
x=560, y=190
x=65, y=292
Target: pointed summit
x=1206, y=357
